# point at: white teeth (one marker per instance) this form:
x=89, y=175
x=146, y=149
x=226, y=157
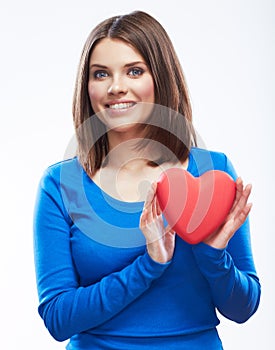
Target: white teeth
x=121, y=105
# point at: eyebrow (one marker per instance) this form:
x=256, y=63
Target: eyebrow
x=131, y=64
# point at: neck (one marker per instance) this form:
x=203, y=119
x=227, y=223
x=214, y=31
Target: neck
x=124, y=151
x=127, y=155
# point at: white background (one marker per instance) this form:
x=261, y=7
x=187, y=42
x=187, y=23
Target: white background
x=227, y=52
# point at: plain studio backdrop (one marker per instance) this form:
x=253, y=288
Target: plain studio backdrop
x=227, y=52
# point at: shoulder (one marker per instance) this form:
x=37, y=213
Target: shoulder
x=61, y=170
x=202, y=160
x=53, y=187
x=56, y=169
x=208, y=158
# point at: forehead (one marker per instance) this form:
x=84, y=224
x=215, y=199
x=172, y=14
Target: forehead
x=109, y=50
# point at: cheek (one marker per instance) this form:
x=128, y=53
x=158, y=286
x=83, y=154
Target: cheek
x=147, y=90
x=95, y=95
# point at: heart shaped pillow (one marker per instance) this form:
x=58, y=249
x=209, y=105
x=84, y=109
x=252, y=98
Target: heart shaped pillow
x=195, y=206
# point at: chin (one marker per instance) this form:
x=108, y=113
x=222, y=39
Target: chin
x=134, y=129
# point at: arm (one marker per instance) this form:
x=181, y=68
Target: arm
x=65, y=306
x=226, y=261
x=231, y=275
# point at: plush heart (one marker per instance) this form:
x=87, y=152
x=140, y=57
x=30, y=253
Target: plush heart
x=195, y=206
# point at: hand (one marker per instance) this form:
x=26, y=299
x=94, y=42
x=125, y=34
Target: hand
x=235, y=218
x=160, y=241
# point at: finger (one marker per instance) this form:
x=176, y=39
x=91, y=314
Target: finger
x=150, y=195
x=242, y=201
x=243, y=206
x=244, y=197
x=239, y=191
x=246, y=210
x=153, y=207
x=241, y=217
x=149, y=198
x=239, y=186
x=159, y=211
x=170, y=233
x=154, y=202
x=143, y=218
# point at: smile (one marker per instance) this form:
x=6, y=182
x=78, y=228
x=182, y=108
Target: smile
x=121, y=105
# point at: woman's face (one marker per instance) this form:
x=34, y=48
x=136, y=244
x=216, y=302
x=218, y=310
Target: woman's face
x=121, y=87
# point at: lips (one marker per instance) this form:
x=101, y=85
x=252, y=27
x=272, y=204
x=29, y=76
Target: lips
x=120, y=105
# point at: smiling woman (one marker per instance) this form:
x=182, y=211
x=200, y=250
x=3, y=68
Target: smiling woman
x=110, y=273
x=142, y=40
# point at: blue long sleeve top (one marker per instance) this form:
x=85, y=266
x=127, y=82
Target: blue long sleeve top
x=98, y=286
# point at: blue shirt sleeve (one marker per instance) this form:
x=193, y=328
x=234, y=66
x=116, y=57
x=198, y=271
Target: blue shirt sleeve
x=66, y=307
x=231, y=272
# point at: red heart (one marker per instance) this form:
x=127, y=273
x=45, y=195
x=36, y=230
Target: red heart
x=195, y=206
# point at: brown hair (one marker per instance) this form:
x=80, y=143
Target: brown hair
x=173, y=129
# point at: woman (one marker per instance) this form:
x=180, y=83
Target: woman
x=110, y=273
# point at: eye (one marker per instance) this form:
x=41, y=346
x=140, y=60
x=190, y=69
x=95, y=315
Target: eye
x=135, y=72
x=100, y=74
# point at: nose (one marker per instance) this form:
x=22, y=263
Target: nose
x=117, y=87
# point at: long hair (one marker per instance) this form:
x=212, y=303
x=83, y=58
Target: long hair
x=174, y=129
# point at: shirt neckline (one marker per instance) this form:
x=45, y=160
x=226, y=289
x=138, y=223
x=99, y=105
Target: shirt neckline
x=135, y=205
